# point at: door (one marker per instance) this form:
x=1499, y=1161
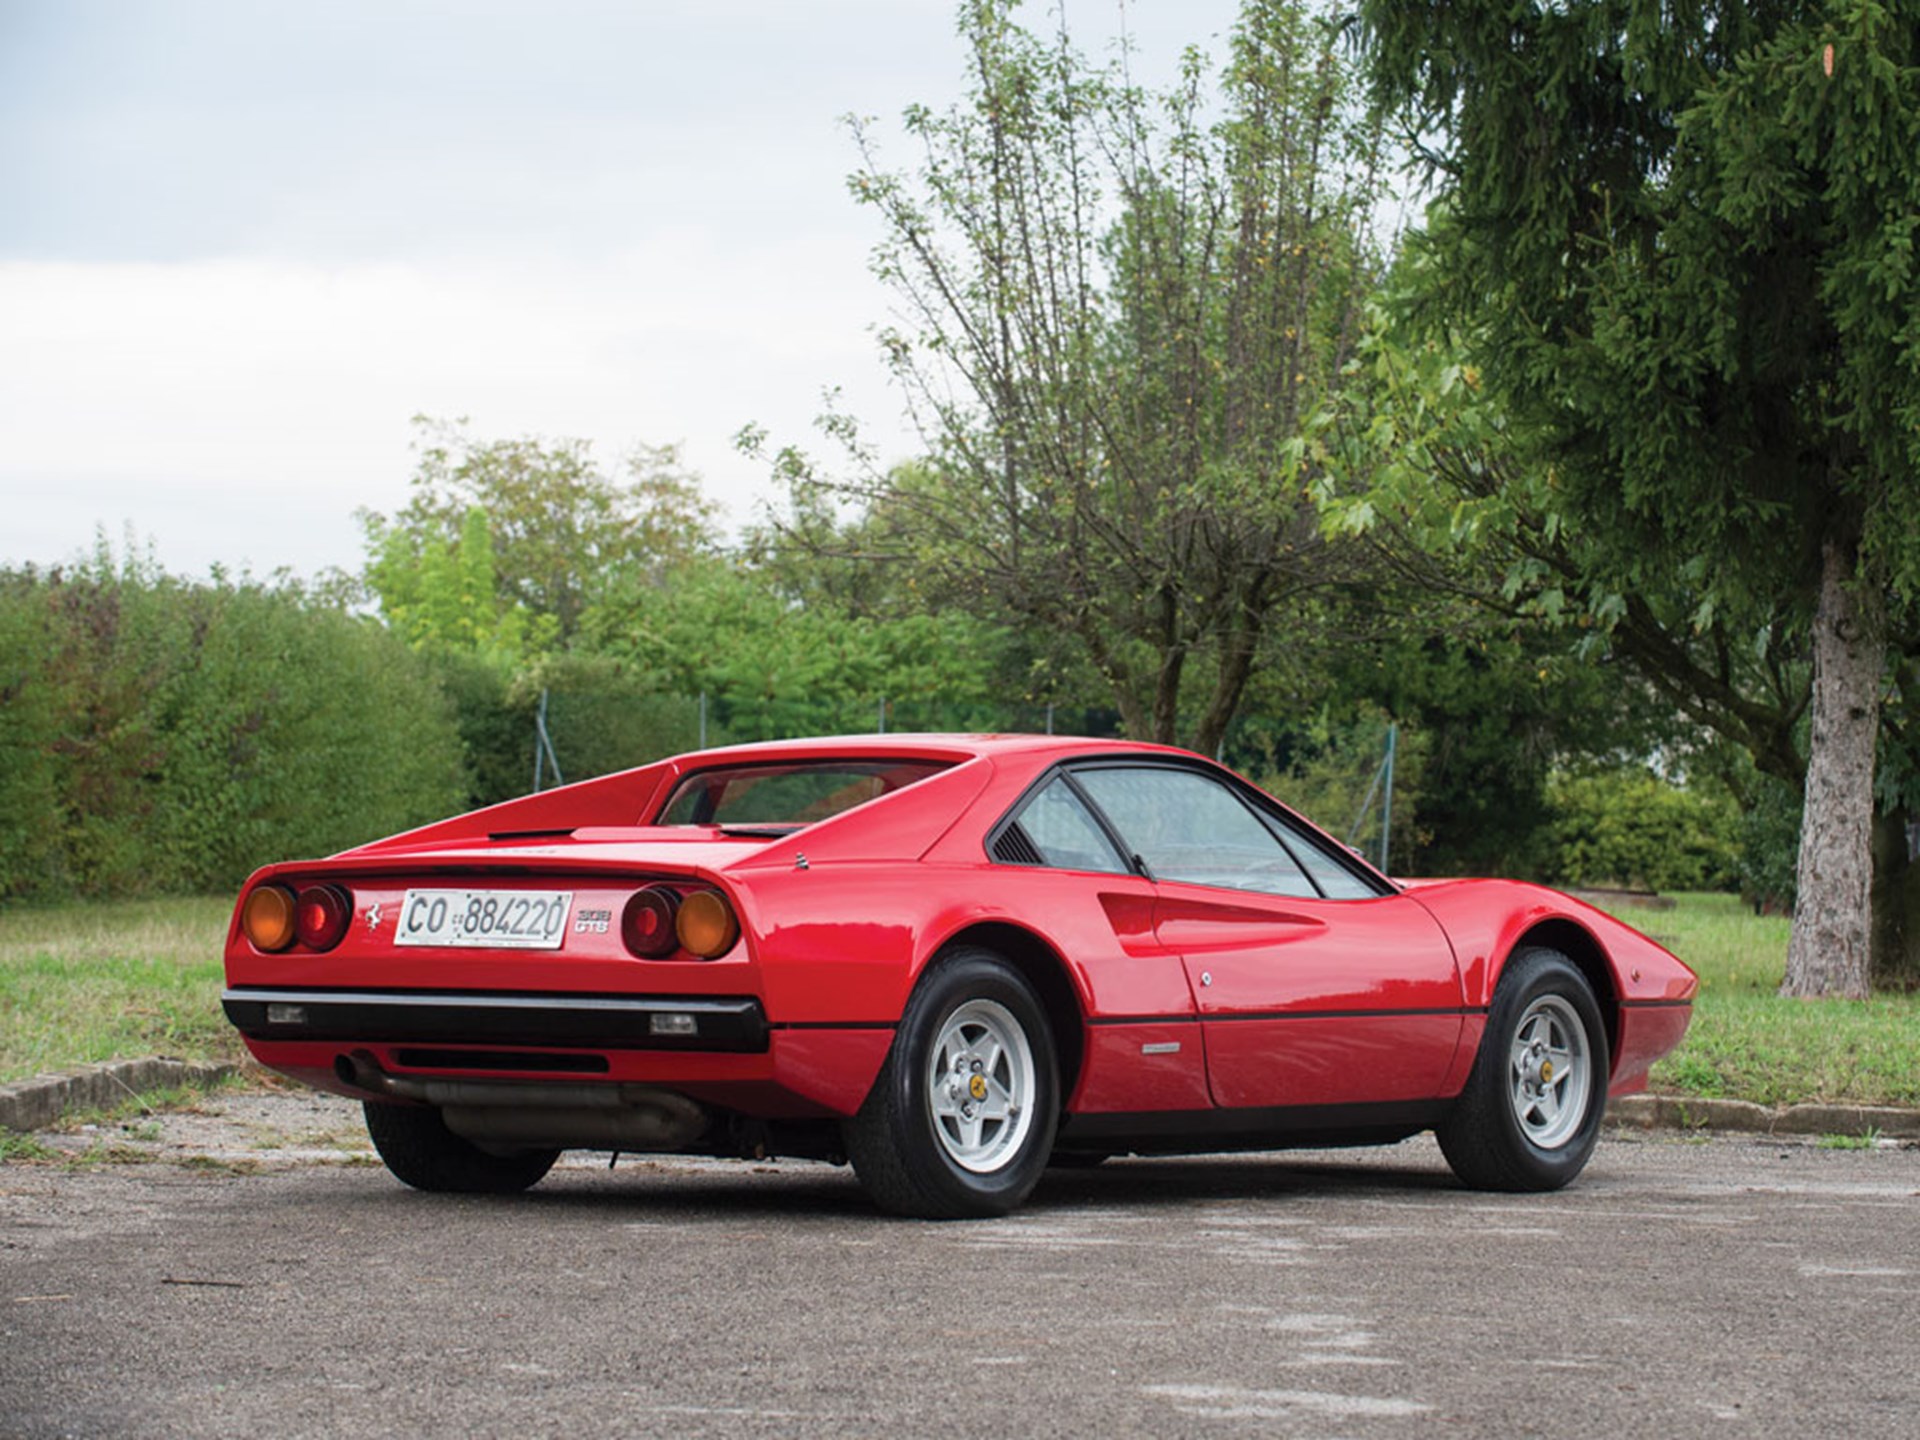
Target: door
x=1315, y=985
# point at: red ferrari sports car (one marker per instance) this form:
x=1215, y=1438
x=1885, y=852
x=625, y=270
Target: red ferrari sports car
x=949, y=959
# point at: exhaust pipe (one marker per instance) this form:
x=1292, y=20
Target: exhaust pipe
x=517, y=1114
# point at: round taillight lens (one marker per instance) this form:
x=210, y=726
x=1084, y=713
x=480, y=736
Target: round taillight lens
x=706, y=925
x=320, y=916
x=267, y=918
x=646, y=925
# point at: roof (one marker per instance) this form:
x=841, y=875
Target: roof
x=909, y=743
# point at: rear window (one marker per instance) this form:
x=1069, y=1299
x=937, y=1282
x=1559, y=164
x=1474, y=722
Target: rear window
x=789, y=795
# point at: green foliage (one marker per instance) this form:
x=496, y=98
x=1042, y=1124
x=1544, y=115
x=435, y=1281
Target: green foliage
x=506, y=543
x=29, y=794
x=604, y=714
x=1331, y=772
x=773, y=668
x=1633, y=830
x=173, y=736
x=1678, y=242
x=441, y=593
x=1118, y=307
x=1769, y=837
x=495, y=731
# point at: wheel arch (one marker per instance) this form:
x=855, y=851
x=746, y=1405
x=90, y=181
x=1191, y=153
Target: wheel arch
x=1577, y=943
x=1046, y=970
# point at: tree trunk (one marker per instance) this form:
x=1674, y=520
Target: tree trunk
x=1896, y=906
x=1832, y=921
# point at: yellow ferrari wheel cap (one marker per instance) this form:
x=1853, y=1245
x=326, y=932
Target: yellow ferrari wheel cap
x=977, y=1087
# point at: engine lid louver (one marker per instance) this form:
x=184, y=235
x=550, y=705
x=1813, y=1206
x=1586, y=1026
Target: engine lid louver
x=1013, y=847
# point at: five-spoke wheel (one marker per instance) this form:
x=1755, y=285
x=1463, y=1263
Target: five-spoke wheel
x=980, y=1086
x=1550, y=1072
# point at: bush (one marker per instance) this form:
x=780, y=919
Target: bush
x=1770, y=847
x=1632, y=829
x=604, y=715
x=29, y=800
x=164, y=736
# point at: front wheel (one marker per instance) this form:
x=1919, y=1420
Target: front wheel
x=419, y=1149
x=1531, y=1110
x=962, y=1117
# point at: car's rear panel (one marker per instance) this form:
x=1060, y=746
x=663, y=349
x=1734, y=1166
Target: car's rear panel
x=582, y=1011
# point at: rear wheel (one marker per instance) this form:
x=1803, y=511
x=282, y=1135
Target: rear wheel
x=962, y=1118
x=419, y=1149
x=1531, y=1110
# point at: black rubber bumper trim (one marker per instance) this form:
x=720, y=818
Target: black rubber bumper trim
x=601, y=1022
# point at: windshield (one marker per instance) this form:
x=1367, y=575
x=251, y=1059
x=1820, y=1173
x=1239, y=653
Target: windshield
x=787, y=795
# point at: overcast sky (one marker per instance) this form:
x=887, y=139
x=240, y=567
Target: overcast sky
x=242, y=242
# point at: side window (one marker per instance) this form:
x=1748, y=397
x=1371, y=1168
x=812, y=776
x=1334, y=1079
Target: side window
x=1191, y=827
x=1335, y=880
x=1055, y=829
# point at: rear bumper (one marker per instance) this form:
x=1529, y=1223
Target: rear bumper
x=737, y=1061
x=728, y=1024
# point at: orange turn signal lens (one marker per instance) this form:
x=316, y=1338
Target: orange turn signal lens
x=706, y=925
x=267, y=918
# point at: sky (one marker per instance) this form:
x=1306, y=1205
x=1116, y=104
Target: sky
x=244, y=242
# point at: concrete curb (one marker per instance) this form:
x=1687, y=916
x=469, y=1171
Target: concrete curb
x=34, y=1104
x=1686, y=1112
x=37, y=1103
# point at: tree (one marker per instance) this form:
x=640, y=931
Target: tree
x=1118, y=308
x=1679, y=242
x=557, y=531
x=774, y=667
x=1426, y=464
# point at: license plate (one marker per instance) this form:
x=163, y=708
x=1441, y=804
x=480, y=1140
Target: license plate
x=485, y=919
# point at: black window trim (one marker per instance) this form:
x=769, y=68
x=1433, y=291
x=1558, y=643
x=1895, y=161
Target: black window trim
x=1274, y=817
x=1060, y=771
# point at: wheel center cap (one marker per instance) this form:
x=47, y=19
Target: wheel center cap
x=977, y=1087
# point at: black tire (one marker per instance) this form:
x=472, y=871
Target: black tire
x=419, y=1149
x=1519, y=1124
x=909, y=1143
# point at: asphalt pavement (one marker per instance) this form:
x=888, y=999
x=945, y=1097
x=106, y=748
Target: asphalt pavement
x=251, y=1273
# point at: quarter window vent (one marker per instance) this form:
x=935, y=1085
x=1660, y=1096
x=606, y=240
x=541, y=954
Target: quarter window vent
x=1014, y=848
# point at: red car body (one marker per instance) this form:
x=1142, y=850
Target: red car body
x=1177, y=1014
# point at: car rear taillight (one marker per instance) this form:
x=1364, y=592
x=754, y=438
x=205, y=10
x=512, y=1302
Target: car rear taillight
x=706, y=924
x=320, y=916
x=647, y=924
x=267, y=918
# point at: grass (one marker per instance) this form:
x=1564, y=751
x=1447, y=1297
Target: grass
x=101, y=981
x=1868, y=1140
x=105, y=981
x=1748, y=1043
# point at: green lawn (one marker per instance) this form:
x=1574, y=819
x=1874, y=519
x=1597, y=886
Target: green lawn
x=100, y=981
x=107, y=981
x=1747, y=1043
